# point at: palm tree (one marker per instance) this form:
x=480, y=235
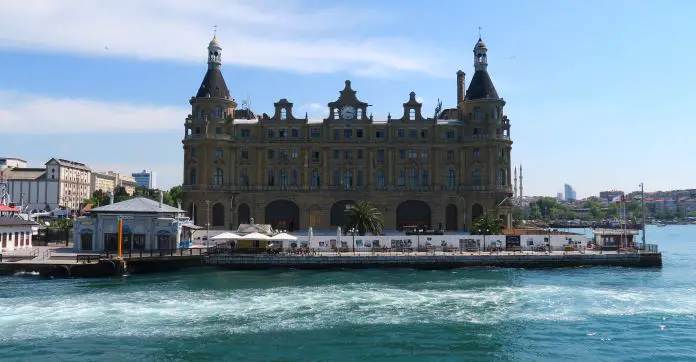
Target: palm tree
x=365, y=218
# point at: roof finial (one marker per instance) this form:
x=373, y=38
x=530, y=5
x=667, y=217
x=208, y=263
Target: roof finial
x=479, y=29
x=215, y=31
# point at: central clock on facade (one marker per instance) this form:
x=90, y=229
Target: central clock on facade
x=347, y=112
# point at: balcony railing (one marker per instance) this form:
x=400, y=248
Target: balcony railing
x=338, y=188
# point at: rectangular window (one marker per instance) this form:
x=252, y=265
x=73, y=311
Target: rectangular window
x=347, y=133
x=218, y=130
x=337, y=135
x=424, y=154
x=245, y=153
x=359, y=154
x=401, y=133
x=402, y=154
x=271, y=133
x=450, y=134
x=359, y=133
x=412, y=154
x=218, y=153
x=477, y=154
x=380, y=155
x=193, y=151
x=293, y=153
x=425, y=179
x=283, y=133
x=348, y=155
x=450, y=155
x=412, y=133
x=271, y=154
x=336, y=154
x=315, y=155
x=379, y=134
x=315, y=132
x=295, y=133
x=424, y=133
x=245, y=133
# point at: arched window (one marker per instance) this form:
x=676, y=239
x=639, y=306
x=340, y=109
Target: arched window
x=359, y=114
x=315, y=179
x=243, y=178
x=218, y=177
x=192, y=177
x=283, y=113
x=412, y=114
x=348, y=179
x=379, y=179
x=294, y=177
x=476, y=176
x=270, y=176
x=451, y=179
x=336, y=178
x=413, y=177
x=501, y=177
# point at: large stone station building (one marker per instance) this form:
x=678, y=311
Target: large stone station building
x=291, y=172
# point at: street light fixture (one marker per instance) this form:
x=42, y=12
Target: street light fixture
x=207, y=224
x=353, y=230
x=418, y=234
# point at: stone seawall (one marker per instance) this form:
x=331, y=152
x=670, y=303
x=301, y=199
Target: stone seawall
x=245, y=262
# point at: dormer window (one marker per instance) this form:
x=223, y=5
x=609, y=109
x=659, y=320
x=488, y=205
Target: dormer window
x=283, y=114
x=411, y=114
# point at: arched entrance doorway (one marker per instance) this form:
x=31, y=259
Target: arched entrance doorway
x=218, y=214
x=476, y=212
x=451, y=218
x=243, y=214
x=413, y=213
x=338, y=215
x=283, y=214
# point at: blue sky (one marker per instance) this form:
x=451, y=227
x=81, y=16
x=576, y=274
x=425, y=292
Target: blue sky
x=599, y=93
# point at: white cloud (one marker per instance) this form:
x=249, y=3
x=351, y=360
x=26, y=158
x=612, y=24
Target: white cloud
x=314, y=110
x=37, y=114
x=283, y=35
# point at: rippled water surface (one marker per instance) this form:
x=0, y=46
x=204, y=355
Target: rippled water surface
x=582, y=314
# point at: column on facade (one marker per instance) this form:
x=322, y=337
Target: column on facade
x=391, y=159
x=306, y=154
x=462, y=166
x=370, y=167
x=232, y=173
x=325, y=166
x=261, y=167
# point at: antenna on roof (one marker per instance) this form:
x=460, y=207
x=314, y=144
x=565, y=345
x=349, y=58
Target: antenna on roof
x=214, y=31
x=479, y=29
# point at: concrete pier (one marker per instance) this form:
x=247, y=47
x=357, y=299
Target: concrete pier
x=437, y=261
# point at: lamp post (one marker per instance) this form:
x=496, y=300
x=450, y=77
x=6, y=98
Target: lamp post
x=353, y=230
x=418, y=232
x=642, y=210
x=484, y=239
x=207, y=224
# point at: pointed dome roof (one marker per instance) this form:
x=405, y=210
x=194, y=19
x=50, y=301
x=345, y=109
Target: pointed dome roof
x=480, y=44
x=214, y=42
x=481, y=87
x=213, y=85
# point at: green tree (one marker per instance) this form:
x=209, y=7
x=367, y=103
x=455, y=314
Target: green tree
x=175, y=195
x=487, y=225
x=365, y=218
x=534, y=212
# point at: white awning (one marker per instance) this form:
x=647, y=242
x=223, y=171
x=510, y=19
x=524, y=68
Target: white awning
x=226, y=236
x=283, y=236
x=255, y=236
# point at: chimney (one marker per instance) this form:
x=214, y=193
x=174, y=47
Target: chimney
x=161, y=198
x=111, y=198
x=461, y=86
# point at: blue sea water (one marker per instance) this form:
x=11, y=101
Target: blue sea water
x=579, y=314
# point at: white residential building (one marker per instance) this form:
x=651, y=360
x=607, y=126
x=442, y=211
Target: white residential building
x=61, y=183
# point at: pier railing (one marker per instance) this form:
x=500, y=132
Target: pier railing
x=129, y=254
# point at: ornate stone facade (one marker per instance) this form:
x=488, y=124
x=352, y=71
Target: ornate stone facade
x=292, y=172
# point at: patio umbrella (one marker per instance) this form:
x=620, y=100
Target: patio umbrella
x=226, y=236
x=255, y=236
x=283, y=236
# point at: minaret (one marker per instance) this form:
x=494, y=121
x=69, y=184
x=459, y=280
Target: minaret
x=514, y=190
x=521, y=193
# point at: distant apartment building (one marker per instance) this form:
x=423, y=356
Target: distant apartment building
x=610, y=195
x=559, y=196
x=60, y=183
x=570, y=194
x=145, y=179
x=12, y=162
x=108, y=181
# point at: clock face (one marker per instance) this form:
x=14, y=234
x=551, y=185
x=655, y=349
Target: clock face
x=348, y=112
